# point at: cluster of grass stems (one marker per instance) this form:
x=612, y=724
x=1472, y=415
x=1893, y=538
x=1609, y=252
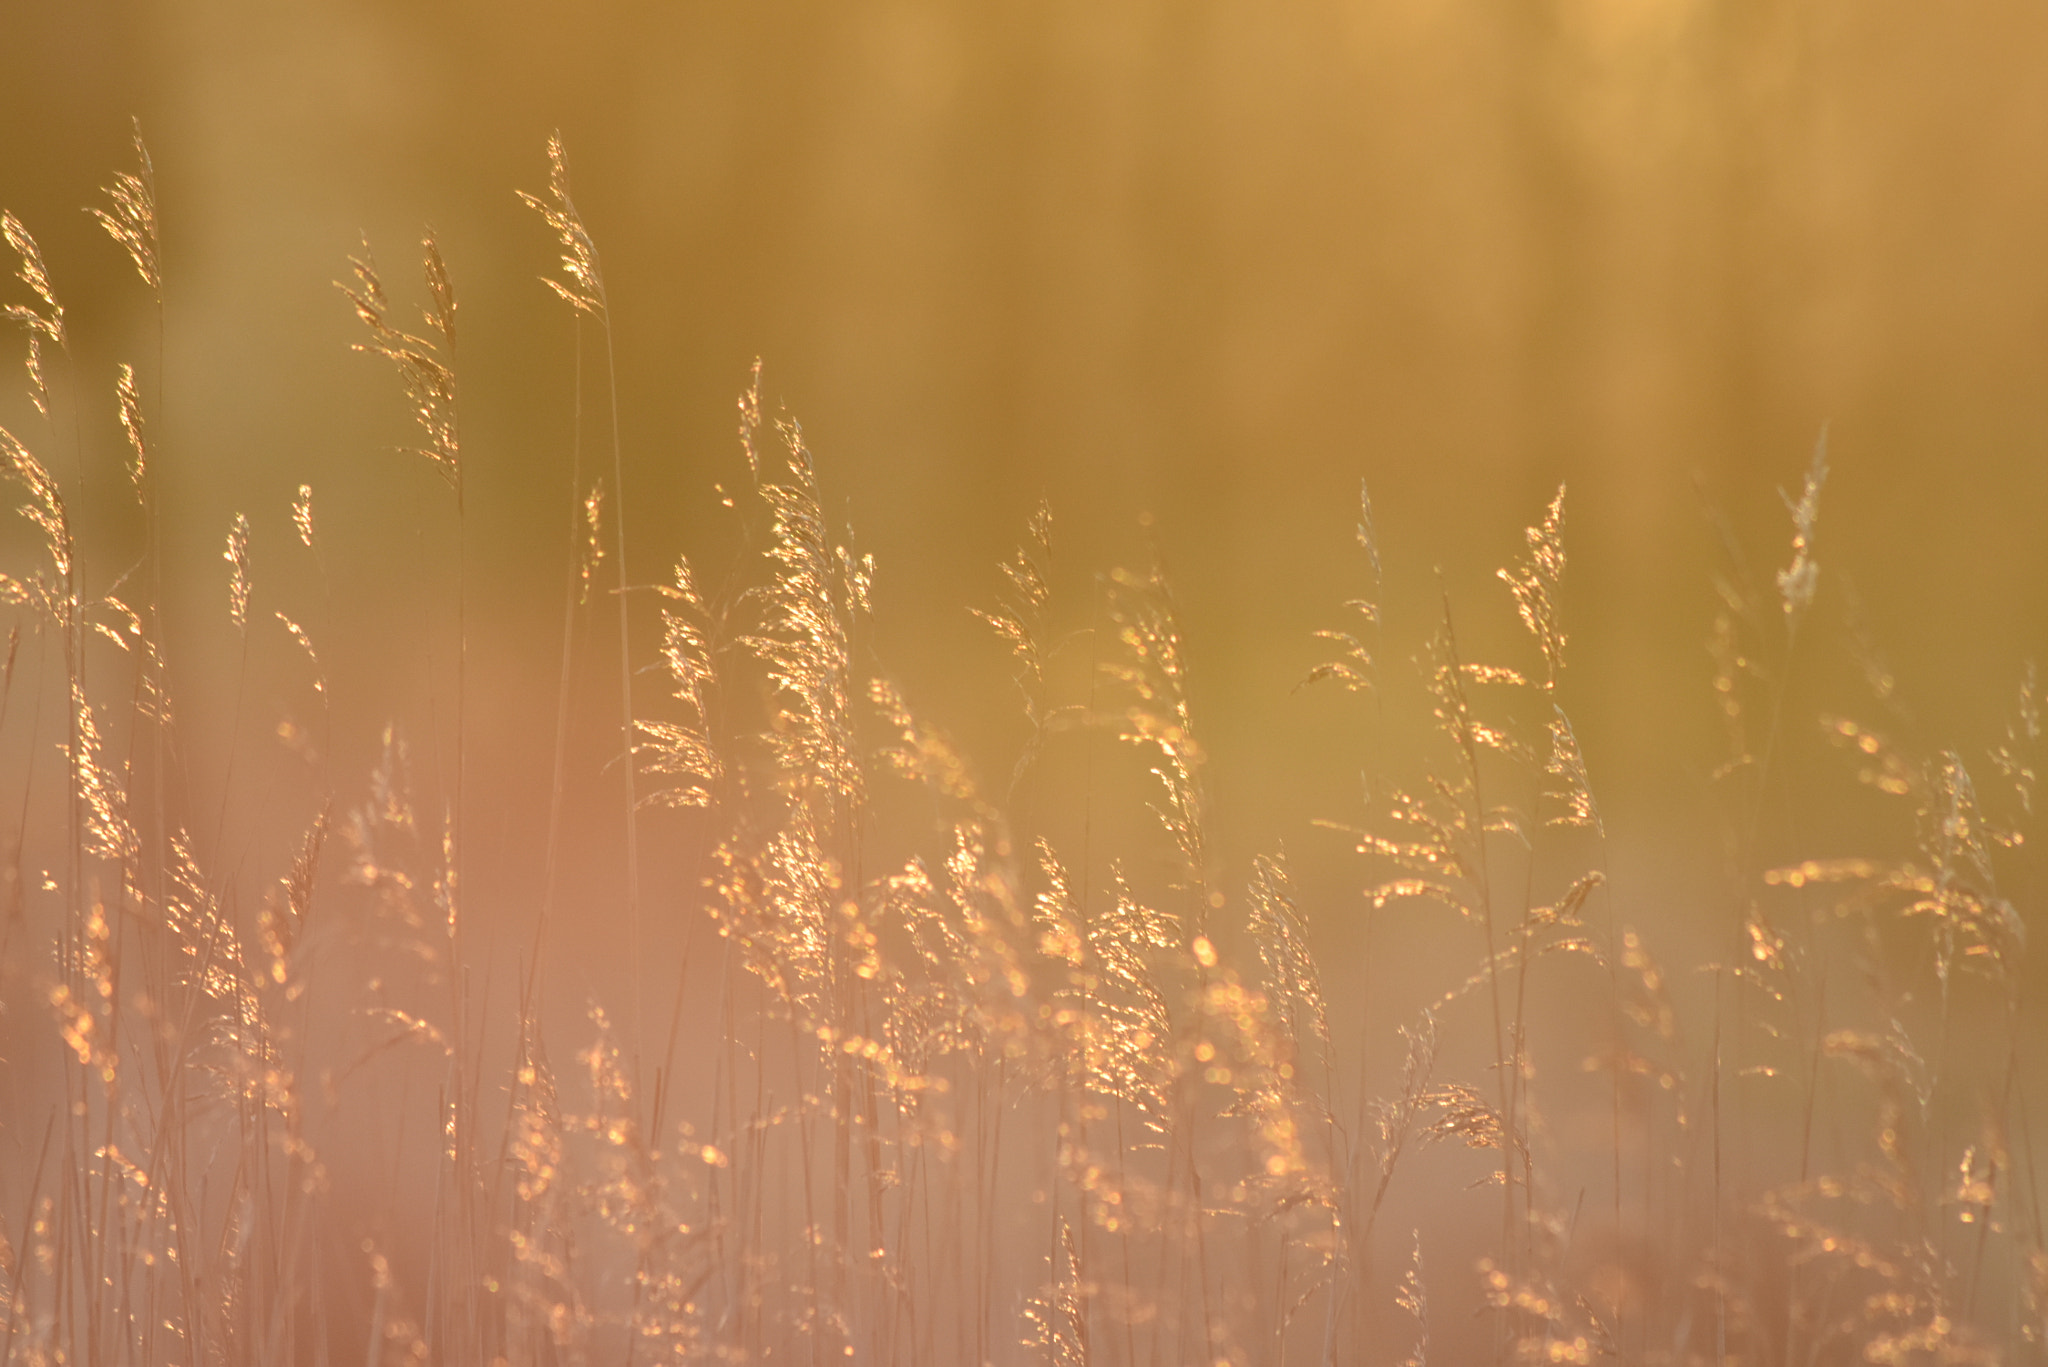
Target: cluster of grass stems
x=958, y=1094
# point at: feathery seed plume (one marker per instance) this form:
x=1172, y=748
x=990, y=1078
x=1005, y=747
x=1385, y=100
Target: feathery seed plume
x=428, y=382
x=593, y=541
x=298, y=633
x=45, y=507
x=302, y=515
x=32, y=272
x=1413, y=1297
x=109, y=833
x=1796, y=582
x=1281, y=934
x=1020, y=621
x=1354, y=670
x=1568, y=787
x=1159, y=717
x=584, y=287
x=1056, y=1313
x=47, y=325
x=132, y=223
x=683, y=752
x=237, y=556
x=1534, y=585
x=131, y=423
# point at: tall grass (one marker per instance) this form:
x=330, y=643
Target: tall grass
x=946, y=1078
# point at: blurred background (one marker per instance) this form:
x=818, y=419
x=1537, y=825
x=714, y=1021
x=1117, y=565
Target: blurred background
x=1215, y=262
x=1190, y=271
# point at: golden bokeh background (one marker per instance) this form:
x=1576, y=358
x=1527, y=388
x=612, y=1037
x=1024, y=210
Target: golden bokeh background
x=1190, y=271
x=1215, y=262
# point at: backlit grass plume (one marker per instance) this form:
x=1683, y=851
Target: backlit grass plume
x=131, y=222
x=423, y=371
